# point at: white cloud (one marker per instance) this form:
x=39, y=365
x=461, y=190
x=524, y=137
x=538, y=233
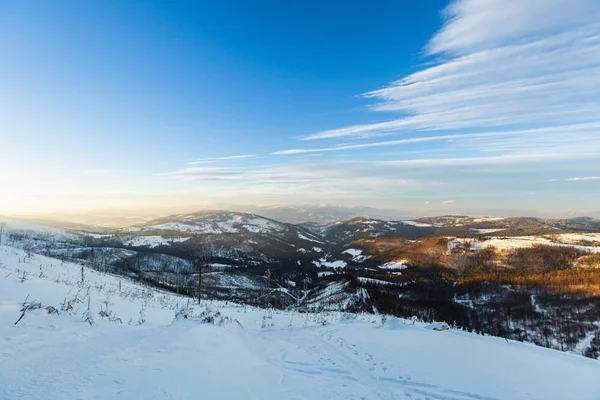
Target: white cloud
x=492, y=160
x=353, y=176
x=226, y=158
x=480, y=24
x=508, y=97
x=585, y=178
x=97, y=172
x=515, y=140
x=500, y=63
x=577, y=178
x=395, y=183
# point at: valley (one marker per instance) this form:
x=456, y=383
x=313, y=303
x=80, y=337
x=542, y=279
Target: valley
x=527, y=279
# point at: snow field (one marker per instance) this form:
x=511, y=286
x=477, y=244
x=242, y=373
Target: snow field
x=252, y=353
x=514, y=242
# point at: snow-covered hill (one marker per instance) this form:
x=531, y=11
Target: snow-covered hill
x=458, y=224
x=322, y=214
x=216, y=222
x=140, y=350
x=234, y=239
x=240, y=240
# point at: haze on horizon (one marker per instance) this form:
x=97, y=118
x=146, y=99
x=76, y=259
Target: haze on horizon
x=437, y=106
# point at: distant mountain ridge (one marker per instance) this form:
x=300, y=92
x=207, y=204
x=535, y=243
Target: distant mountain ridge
x=253, y=241
x=323, y=214
x=319, y=214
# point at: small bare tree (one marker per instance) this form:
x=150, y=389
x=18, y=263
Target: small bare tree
x=202, y=265
x=28, y=247
x=2, y=228
x=267, y=288
x=268, y=279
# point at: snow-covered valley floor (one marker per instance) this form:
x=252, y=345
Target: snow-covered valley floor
x=250, y=354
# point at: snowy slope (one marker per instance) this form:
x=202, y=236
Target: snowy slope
x=152, y=241
x=507, y=243
x=264, y=355
x=218, y=222
x=30, y=229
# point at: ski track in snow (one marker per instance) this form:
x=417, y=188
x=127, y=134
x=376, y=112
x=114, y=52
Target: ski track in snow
x=363, y=376
x=99, y=366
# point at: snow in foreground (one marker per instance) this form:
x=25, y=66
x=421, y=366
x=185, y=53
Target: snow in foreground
x=252, y=354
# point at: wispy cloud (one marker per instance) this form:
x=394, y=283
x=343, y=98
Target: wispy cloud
x=513, y=159
x=317, y=173
x=310, y=181
x=500, y=63
x=97, y=171
x=522, y=139
x=577, y=178
x=507, y=96
x=216, y=159
x=473, y=180
x=480, y=24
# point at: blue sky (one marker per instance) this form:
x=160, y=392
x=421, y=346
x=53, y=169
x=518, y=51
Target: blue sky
x=430, y=106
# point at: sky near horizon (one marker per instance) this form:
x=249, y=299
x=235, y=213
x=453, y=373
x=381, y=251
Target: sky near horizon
x=432, y=105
